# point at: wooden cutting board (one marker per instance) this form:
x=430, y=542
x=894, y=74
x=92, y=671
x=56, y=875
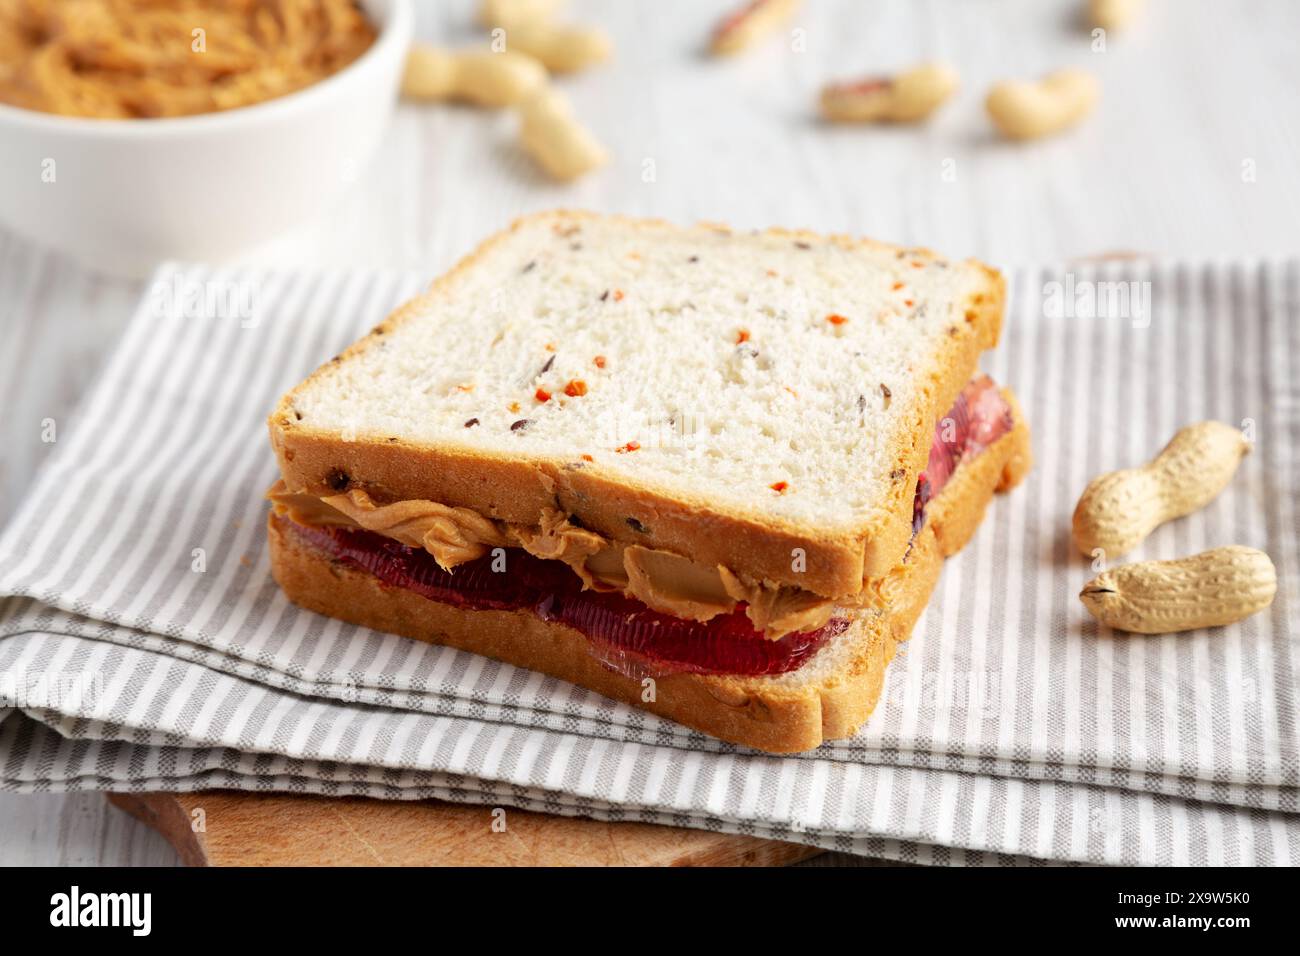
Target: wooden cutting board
x=226, y=828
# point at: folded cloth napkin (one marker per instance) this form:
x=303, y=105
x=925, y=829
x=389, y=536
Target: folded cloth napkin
x=143, y=644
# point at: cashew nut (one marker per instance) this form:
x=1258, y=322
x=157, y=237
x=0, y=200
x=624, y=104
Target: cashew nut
x=1119, y=509
x=906, y=98
x=1112, y=14
x=562, y=49
x=553, y=137
x=1160, y=597
x=744, y=27
x=511, y=13
x=478, y=76
x=1028, y=110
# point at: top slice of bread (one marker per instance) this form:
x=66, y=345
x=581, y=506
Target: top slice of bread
x=764, y=401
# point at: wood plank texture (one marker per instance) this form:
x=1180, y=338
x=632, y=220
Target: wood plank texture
x=254, y=829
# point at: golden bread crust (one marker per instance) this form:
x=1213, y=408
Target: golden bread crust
x=779, y=715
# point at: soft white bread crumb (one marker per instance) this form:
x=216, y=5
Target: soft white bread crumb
x=798, y=400
x=785, y=379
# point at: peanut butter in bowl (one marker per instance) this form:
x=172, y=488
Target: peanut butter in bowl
x=139, y=59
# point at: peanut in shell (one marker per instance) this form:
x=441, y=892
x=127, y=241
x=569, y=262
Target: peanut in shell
x=1119, y=509
x=1209, y=589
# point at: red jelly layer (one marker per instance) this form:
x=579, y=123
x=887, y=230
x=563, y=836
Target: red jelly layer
x=978, y=418
x=625, y=631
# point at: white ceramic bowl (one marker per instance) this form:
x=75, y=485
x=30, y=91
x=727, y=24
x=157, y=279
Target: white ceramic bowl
x=121, y=195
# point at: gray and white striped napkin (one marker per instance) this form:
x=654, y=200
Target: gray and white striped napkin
x=144, y=646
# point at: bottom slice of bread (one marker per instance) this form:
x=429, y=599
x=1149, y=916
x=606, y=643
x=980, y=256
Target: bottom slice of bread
x=829, y=697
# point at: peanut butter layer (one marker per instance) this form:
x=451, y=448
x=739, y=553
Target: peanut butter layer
x=661, y=580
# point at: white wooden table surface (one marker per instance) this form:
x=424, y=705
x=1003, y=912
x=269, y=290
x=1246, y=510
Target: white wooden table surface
x=1194, y=152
